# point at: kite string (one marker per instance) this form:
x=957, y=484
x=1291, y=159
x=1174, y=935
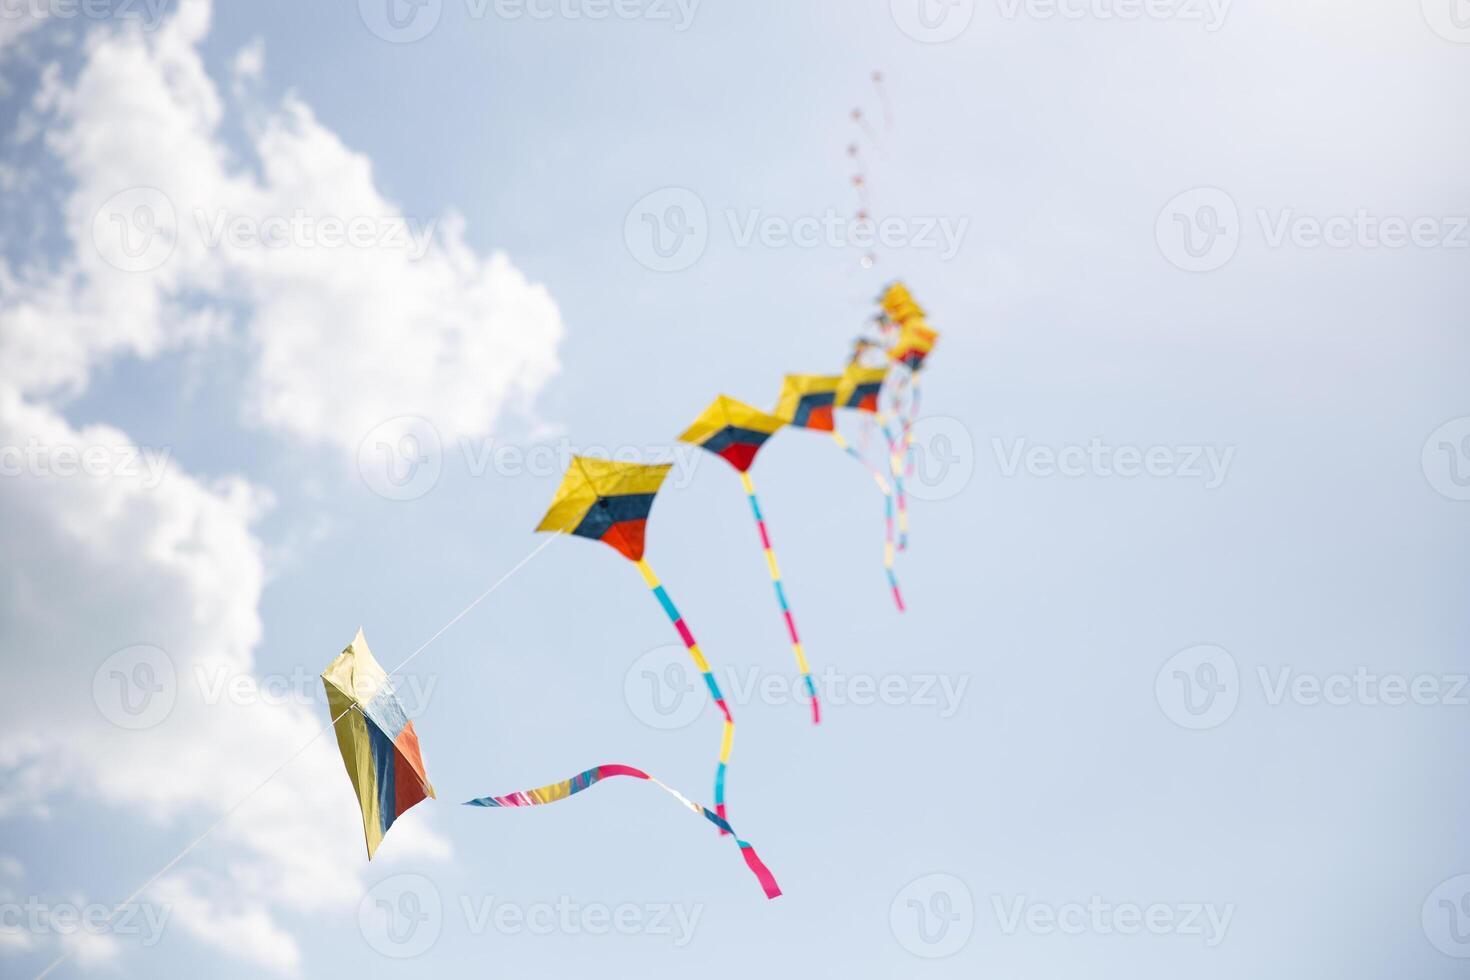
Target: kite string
x=118, y=908
x=728, y=737
x=775, y=569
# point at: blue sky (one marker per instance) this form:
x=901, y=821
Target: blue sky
x=1208, y=718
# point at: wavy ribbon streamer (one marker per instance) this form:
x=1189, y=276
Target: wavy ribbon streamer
x=728, y=739
x=583, y=780
x=775, y=569
x=878, y=478
x=896, y=467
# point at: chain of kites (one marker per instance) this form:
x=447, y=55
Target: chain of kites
x=610, y=502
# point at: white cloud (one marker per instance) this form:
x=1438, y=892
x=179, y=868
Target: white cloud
x=340, y=338
x=95, y=563
x=344, y=336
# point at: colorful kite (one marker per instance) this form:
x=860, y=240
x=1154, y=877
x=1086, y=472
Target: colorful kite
x=913, y=342
x=609, y=502
x=378, y=742
x=584, y=780
x=735, y=432
x=807, y=402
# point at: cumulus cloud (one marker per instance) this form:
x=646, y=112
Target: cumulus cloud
x=103, y=559
x=356, y=313
x=135, y=558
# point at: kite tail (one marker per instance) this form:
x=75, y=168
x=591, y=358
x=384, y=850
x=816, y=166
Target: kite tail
x=801, y=664
x=887, y=513
x=908, y=426
x=896, y=467
x=709, y=679
x=583, y=780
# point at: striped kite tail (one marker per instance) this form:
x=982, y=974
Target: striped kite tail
x=887, y=512
x=775, y=569
x=727, y=740
x=584, y=780
x=909, y=423
x=896, y=465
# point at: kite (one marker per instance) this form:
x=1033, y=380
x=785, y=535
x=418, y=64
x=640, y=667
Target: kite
x=589, y=778
x=807, y=402
x=609, y=502
x=735, y=432
x=379, y=745
x=914, y=341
